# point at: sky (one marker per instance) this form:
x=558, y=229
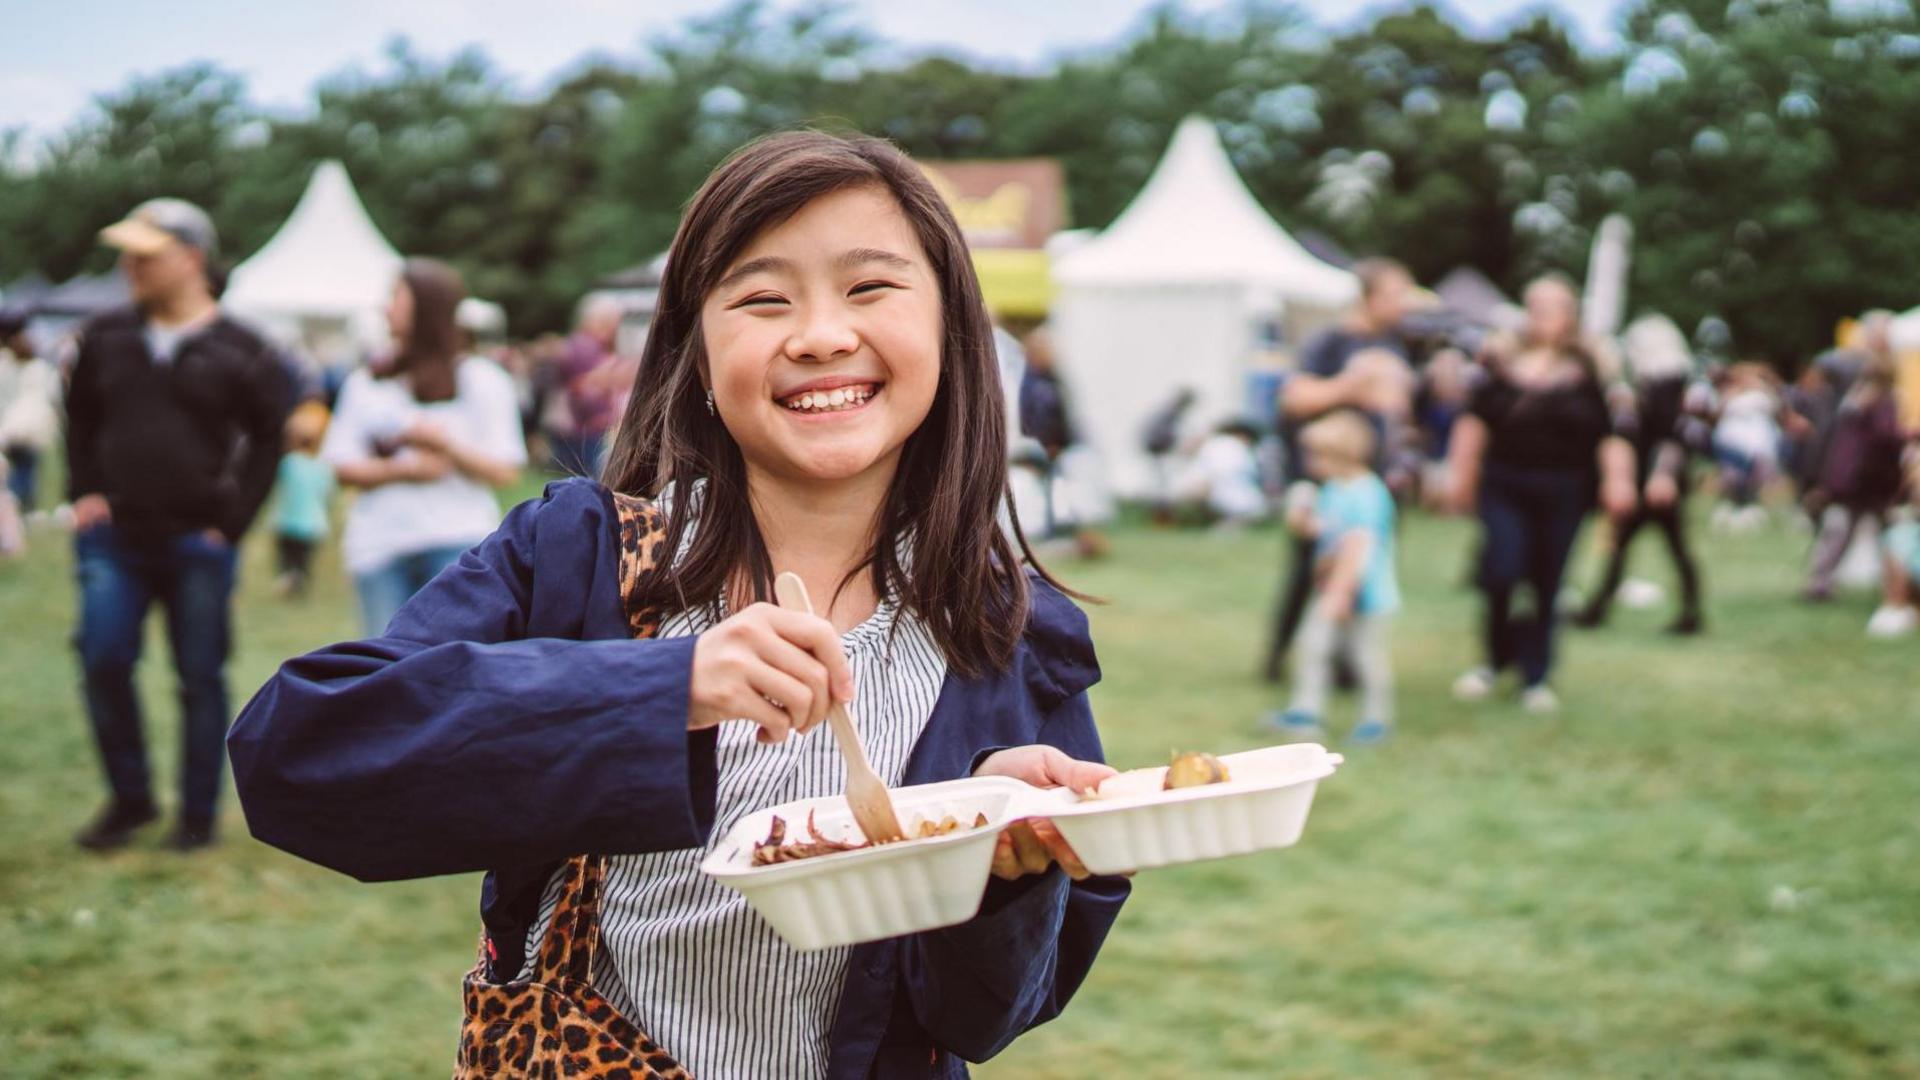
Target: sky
x=61, y=54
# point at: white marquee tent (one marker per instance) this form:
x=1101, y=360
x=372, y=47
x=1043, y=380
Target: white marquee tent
x=1177, y=292
x=325, y=277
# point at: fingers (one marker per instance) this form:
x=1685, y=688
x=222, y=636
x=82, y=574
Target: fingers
x=1027, y=849
x=787, y=693
x=1062, y=770
x=774, y=722
x=1058, y=848
x=800, y=666
x=817, y=636
x=1006, y=865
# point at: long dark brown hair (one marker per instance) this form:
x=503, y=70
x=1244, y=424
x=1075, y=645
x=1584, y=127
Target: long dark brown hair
x=432, y=348
x=966, y=584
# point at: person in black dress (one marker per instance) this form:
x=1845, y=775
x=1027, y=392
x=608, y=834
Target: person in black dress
x=1538, y=443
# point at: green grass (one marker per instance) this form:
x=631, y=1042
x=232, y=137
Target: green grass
x=1708, y=865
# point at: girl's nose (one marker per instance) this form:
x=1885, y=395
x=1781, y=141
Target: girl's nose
x=824, y=335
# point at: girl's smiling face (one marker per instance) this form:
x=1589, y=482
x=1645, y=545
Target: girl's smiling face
x=823, y=339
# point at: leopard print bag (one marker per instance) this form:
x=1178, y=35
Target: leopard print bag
x=554, y=1023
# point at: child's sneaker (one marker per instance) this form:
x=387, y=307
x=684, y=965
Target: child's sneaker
x=1540, y=700
x=1369, y=732
x=1893, y=622
x=1296, y=726
x=1475, y=685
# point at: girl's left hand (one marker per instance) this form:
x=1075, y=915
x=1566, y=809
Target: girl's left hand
x=1032, y=845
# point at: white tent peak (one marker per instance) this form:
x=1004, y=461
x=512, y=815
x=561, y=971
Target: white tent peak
x=1196, y=222
x=327, y=260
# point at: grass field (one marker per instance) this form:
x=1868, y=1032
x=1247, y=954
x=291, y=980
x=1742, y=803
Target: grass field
x=1707, y=865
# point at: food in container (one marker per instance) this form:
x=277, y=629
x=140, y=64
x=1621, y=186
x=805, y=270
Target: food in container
x=1134, y=821
x=1193, y=769
x=866, y=892
x=833, y=888
x=776, y=849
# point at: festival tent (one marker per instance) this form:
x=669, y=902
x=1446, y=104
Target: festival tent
x=324, y=279
x=1469, y=294
x=1190, y=282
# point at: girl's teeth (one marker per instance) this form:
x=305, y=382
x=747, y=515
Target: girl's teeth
x=843, y=397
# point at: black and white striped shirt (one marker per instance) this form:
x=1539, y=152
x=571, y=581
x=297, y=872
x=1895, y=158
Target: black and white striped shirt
x=686, y=959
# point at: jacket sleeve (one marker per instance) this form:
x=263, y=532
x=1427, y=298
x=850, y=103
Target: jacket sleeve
x=265, y=405
x=83, y=424
x=457, y=743
x=978, y=986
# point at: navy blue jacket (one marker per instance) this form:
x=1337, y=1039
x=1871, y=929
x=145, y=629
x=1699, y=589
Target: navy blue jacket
x=507, y=721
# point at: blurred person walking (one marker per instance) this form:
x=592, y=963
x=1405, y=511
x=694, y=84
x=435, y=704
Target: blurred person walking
x=1661, y=368
x=1538, y=439
x=29, y=409
x=174, y=427
x=596, y=385
x=1359, y=364
x=1860, y=478
x=426, y=438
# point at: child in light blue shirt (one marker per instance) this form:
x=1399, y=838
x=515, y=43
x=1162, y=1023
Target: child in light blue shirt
x=302, y=491
x=1355, y=590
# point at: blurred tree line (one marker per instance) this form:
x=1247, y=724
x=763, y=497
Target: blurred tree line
x=1764, y=149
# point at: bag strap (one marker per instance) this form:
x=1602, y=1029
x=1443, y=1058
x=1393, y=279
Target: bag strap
x=573, y=937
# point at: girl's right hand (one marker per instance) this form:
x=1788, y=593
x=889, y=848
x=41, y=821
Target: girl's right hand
x=762, y=656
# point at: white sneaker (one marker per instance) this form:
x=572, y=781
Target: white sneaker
x=1475, y=685
x=1540, y=700
x=1893, y=622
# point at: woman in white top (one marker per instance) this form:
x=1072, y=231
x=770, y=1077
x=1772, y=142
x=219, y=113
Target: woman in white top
x=426, y=437
x=29, y=408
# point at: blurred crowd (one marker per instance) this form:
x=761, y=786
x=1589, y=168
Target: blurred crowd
x=1529, y=425
x=1530, y=428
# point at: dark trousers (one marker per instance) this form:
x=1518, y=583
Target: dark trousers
x=120, y=578
x=1530, y=519
x=1295, y=592
x=23, y=469
x=1671, y=521
x=295, y=554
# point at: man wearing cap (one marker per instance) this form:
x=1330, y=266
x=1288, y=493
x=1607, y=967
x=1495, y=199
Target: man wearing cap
x=173, y=435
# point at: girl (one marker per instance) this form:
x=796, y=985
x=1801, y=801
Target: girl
x=818, y=394
x=1537, y=441
x=427, y=438
x=1661, y=368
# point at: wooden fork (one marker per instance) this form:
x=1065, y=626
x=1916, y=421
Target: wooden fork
x=866, y=794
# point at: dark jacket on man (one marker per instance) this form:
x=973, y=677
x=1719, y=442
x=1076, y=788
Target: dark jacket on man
x=180, y=445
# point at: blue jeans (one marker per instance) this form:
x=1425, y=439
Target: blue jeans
x=120, y=578
x=385, y=589
x=23, y=467
x=1530, y=519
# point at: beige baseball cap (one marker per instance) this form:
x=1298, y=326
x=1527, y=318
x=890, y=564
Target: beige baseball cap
x=158, y=222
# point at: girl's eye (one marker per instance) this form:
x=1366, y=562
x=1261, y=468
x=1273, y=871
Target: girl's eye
x=760, y=301
x=872, y=286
